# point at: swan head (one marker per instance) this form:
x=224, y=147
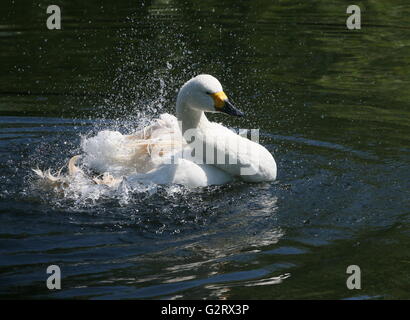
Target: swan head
x=205, y=93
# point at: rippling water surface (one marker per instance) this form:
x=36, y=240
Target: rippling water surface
x=332, y=105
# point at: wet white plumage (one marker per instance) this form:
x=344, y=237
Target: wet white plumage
x=157, y=153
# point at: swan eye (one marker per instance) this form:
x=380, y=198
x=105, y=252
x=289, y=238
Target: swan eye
x=208, y=92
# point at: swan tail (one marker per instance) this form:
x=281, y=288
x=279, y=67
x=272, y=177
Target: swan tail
x=60, y=180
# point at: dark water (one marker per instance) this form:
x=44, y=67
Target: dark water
x=332, y=106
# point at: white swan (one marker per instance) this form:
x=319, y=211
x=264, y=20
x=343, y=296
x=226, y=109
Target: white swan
x=161, y=154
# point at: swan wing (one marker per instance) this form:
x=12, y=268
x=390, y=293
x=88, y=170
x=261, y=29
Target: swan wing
x=111, y=151
x=242, y=157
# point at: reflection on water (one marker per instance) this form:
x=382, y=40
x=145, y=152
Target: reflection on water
x=331, y=105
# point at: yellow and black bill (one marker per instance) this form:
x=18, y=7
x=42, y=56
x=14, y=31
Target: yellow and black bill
x=222, y=104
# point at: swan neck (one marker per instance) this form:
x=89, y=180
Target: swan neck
x=190, y=118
